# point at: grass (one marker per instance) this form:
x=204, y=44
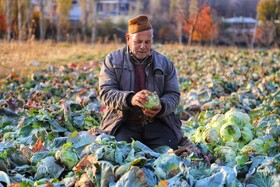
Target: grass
x=25, y=58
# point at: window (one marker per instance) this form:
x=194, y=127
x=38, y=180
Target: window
x=99, y=7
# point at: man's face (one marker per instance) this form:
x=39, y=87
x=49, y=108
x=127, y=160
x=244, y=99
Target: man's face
x=140, y=43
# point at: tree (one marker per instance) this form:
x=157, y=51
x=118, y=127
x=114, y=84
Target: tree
x=8, y=16
x=163, y=26
x=42, y=19
x=63, y=9
x=89, y=18
x=266, y=35
x=29, y=18
x=269, y=14
x=3, y=21
x=3, y=26
x=195, y=9
x=178, y=12
x=18, y=18
x=15, y=18
x=268, y=10
x=94, y=21
x=52, y=19
x=186, y=13
x=21, y=16
x=192, y=19
x=157, y=7
x=85, y=17
x=205, y=29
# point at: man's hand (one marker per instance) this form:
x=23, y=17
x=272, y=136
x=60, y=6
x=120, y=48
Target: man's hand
x=153, y=112
x=140, y=99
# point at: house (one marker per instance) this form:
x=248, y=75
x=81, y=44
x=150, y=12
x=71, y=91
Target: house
x=108, y=8
x=240, y=24
x=105, y=8
x=237, y=31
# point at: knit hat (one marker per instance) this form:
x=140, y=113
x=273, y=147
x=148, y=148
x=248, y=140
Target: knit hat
x=138, y=24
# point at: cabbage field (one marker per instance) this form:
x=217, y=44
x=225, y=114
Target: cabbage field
x=230, y=110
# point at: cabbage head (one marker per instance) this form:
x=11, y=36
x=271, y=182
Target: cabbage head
x=211, y=136
x=198, y=135
x=153, y=101
x=234, y=145
x=246, y=135
x=254, y=147
x=217, y=117
x=230, y=132
x=237, y=117
x=68, y=155
x=225, y=154
x=218, y=124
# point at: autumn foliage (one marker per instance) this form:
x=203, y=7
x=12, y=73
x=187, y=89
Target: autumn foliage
x=3, y=26
x=201, y=25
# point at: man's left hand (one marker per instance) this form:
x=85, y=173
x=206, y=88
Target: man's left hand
x=154, y=111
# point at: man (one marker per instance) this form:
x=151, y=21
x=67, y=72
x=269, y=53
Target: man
x=127, y=76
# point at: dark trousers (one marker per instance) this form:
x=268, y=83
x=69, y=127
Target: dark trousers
x=153, y=134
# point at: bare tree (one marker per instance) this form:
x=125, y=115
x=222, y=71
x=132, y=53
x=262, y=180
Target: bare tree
x=20, y=6
x=267, y=34
x=15, y=12
x=8, y=13
x=195, y=11
x=63, y=9
x=42, y=20
x=155, y=8
x=187, y=12
x=29, y=18
x=94, y=22
x=179, y=14
x=89, y=18
x=84, y=18
x=163, y=24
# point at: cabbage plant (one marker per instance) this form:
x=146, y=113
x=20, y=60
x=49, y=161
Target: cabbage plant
x=68, y=155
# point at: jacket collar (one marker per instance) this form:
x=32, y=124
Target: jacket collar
x=157, y=61
x=153, y=58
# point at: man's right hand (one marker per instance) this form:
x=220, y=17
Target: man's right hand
x=140, y=98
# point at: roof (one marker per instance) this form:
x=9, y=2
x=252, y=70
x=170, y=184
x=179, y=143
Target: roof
x=239, y=20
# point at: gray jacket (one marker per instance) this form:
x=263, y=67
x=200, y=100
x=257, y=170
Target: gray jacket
x=116, y=82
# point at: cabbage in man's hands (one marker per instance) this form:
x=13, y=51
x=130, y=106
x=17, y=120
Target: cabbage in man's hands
x=153, y=101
